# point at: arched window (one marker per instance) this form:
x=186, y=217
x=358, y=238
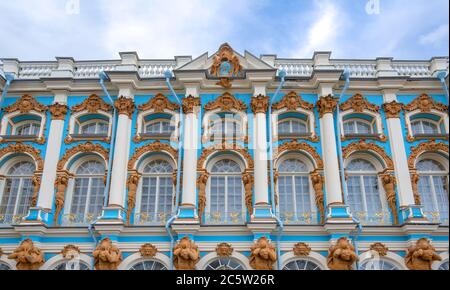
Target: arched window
x=149, y=265
x=424, y=127
x=87, y=198
x=225, y=202
x=4, y=267
x=67, y=266
x=27, y=129
x=300, y=264
x=357, y=127
x=379, y=265
x=433, y=190
x=291, y=127
x=94, y=127
x=156, y=194
x=363, y=192
x=221, y=264
x=17, y=193
x=295, y=201
x=159, y=127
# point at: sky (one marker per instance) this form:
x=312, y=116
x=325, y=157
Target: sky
x=161, y=29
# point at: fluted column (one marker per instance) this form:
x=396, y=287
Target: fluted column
x=44, y=206
x=410, y=211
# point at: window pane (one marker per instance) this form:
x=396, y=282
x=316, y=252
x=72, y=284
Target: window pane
x=361, y=165
x=363, y=128
x=293, y=166
x=226, y=166
x=355, y=200
x=29, y=129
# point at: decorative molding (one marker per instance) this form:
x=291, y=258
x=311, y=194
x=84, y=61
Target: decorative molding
x=363, y=146
x=263, y=255
x=191, y=104
x=70, y=252
x=260, y=104
x=226, y=55
x=392, y=109
x=318, y=182
x=425, y=104
x=222, y=147
x=292, y=101
x=83, y=148
x=148, y=251
x=159, y=104
x=224, y=250
x=431, y=146
x=186, y=254
x=58, y=111
x=153, y=147
x=61, y=183
x=248, y=180
x=226, y=103
x=302, y=250
x=389, y=183
x=125, y=106
x=421, y=255
x=92, y=105
x=25, y=105
x=358, y=104
x=132, y=185
x=295, y=146
x=27, y=256
x=25, y=149
x=341, y=256
x=327, y=105
x=107, y=256
x=380, y=248
x=202, y=181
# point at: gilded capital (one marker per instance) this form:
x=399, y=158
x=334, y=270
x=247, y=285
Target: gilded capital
x=392, y=109
x=125, y=106
x=260, y=104
x=58, y=111
x=190, y=103
x=327, y=105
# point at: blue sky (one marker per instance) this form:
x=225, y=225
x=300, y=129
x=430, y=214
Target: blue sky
x=99, y=29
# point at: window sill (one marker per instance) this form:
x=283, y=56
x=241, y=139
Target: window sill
x=307, y=136
x=145, y=136
x=381, y=138
x=81, y=137
x=17, y=138
x=427, y=137
x=211, y=138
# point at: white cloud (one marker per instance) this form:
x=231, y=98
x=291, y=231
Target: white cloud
x=436, y=37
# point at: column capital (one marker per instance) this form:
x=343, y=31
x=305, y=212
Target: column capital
x=125, y=106
x=58, y=111
x=392, y=109
x=190, y=103
x=260, y=104
x=327, y=105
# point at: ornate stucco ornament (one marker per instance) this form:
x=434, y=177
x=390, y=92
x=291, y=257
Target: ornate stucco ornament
x=318, y=182
x=425, y=104
x=202, y=182
x=342, y=255
x=223, y=147
x=148, y=251
x=191, y=104
x=224, y=250
x=389, y=183
x=159, y=104
x=226, y=103
x=263, y=255
x=380, y=248
x=70, y=252
x=302, y=250
x=260, y=104
x=92, y=105
x=295, y=146
x=421, y=255
x=292, y=102
x=61, y=183
x=248, y=180
x=27, y=256
x=125, y=106
x=132, y=184
x=327, y=105
x=36, y=181
x=358, y=104
x=153, y=147
x=58, y=111
x=185, y=254
x=25, y=149
x=107, y=256
x=226, y=66
x=26, y=104
x=83, y=148
x=415, y=186
x=392, y=109
x=431, y=146
x=364, y=146
x=1, y=252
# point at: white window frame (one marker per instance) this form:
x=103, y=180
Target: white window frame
x=355, y=123
x=89, y=122
x=141, y=123
x=311, y=121
x=75, y=122
x=290, y=120
x=215, y=115
x=376, y=124
x=444, y=118
x=8, y=123
x=159, y=120
x=421, y=120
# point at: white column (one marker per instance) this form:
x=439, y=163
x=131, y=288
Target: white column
x=125, y=108
x=191, y=105
x=397, y=143
x=55, y=139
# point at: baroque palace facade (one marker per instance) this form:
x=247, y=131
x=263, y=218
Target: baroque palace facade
x=228, y=161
